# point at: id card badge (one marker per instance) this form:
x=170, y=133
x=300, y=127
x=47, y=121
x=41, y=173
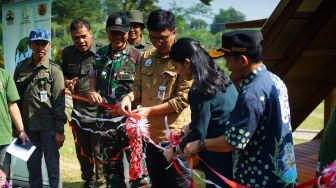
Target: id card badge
x=161, y=92
x=43, y=96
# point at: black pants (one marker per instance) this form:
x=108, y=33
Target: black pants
x=159, y=176
x=87, y=149
x=45, y=144
x=221, y=162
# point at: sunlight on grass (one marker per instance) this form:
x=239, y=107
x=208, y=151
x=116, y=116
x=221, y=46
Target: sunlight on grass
x=315, y=119
x=70, y=170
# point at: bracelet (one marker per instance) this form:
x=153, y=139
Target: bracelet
x=201, y=144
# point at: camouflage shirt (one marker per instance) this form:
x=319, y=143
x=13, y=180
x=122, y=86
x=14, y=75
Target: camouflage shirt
x=114, y=72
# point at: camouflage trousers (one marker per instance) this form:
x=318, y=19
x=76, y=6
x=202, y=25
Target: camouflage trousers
x=112, y=147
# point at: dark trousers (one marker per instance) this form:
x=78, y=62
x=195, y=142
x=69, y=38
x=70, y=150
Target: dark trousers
x=87, y=148
x=221, y=162
x=159, y=176
x=44, y=142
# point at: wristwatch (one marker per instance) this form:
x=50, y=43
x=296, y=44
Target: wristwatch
x=201, y=144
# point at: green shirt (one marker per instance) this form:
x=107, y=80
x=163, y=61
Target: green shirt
x=8, y=94
x=43, y=104
x=77, y=64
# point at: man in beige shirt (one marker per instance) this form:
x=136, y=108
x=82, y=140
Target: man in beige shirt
x=161, y=92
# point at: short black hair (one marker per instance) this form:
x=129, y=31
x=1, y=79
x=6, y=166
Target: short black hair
x=79, y=23
x=159, y=20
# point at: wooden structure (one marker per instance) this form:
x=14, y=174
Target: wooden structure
x=300, y=47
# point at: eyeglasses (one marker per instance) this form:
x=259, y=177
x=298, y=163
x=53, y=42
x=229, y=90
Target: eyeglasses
x=160, y=38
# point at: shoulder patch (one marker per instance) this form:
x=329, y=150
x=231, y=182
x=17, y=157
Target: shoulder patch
x=54, y=64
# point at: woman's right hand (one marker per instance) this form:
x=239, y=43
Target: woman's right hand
x=125, y=106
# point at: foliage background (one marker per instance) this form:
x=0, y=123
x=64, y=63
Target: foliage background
x=190, y=22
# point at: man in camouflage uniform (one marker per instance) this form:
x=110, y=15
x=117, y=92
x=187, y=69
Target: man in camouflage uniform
x=112, y=75
x=76, y=62
x=135, y=34
x=40, y=84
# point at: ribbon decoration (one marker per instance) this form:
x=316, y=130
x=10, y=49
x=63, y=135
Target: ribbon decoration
x=226, y=180
x=327, y=179
x=136, y=130
x=83, y=99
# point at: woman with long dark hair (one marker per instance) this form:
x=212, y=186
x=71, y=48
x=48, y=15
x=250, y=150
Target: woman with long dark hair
x=211, y=97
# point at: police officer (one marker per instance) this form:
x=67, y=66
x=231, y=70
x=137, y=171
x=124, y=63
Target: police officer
x=76, y=62
x=40, y=84
x=112, y=75
x=135, y=34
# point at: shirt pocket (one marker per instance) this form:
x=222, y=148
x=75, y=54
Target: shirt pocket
x=169, y=77
x=147, y=78
x=86, y=65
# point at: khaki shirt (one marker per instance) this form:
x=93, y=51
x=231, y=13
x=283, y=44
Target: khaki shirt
x=41, y=111
x=78, y=64
x=152, y=73
x=143, y=46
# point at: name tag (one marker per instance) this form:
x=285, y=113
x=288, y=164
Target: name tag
x=43, y=96
x=161, y=92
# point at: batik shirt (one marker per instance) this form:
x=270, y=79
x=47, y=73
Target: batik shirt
x=114, y=73
x=260, y=129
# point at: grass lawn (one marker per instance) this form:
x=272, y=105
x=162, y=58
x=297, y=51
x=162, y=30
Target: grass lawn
x=315, y=119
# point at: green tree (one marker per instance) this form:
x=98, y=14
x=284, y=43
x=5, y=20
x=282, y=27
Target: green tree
x=66, y=10
x=125, y=5
x=226, y=16
x=198, y=24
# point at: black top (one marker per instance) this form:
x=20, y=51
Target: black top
x=208, y=114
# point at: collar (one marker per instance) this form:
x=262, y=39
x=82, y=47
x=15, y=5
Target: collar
x=44, y=62
x=93, y=48
x=118, y=53
x=161, y=58
x=141, y=44
x=251, y=76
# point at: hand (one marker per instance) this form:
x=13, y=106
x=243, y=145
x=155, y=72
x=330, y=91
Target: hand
x=125, y=106
x=143, y=111
x=59, y=138
x=23, y=136
x=191, y=148
x=70, y=84
x=185, y=129
x=169, y=154
x=95, y=98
